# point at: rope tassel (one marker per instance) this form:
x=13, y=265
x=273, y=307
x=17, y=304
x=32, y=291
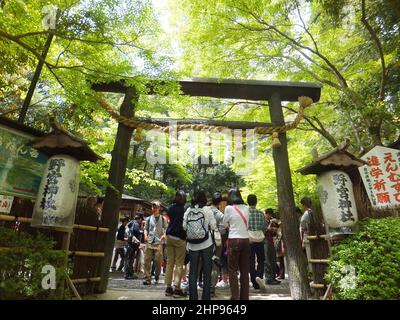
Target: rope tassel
x=275, y=140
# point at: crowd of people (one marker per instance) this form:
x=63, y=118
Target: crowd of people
x=197, y=245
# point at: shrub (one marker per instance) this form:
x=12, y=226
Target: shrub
x=22, y=257
x=367, y=264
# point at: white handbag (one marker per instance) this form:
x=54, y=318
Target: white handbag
x=217, y=238
x=256, y=236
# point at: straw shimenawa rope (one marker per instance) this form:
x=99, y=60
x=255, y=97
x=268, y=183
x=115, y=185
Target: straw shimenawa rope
x=138, y=124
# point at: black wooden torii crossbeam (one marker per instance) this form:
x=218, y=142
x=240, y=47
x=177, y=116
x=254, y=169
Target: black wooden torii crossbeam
x=272, y=91
x=257, y=90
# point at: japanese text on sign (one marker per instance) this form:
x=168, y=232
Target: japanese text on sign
x=381, y=176
x=51, y=189
x=344, y=203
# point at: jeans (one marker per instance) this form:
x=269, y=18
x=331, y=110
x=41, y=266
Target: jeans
x=215, y=269
x=238, y=260
x=130, y=253
x=270, y=261
x=281, y=271
x=256, y=251
x=176, y=251
x=194, y=256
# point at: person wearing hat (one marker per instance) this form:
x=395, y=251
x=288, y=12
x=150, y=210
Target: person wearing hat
x=154, y=235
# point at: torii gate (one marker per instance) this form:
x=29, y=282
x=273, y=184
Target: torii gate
x=272, y=91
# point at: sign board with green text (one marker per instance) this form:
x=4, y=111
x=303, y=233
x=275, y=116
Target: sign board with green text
x=21, y=166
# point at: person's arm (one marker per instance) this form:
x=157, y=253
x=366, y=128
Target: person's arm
x=225, y=220
x=211, y=219
x=165, y=226
x=184, y=225
x=146, y=229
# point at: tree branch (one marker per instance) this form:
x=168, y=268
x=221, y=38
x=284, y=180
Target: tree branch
x=30, y=34
x=380, y=49
x=294, y=42
x=305, y=27
x=320, y=128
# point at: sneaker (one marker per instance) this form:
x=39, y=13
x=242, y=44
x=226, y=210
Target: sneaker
x=222, y=284
x=146, y=283
x=261, y=284
x=256, y=286
x=169, y=292
x=185, y=285
x=273, y=282
x=179, y=293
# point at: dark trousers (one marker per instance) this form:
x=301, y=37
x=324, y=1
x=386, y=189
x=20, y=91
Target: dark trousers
x=194, y=257
x=118, y=252
x=281, y=271
x=130, y=254
x=270, y=261
x=238, y=260
x=256, y=251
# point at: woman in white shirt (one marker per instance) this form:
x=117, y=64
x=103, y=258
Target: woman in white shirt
x=236, y=218
x=198, y=220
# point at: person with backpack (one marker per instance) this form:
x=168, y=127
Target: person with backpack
x=236, y=218
x=257, y=238
x=217, y=238
x=198, y=222
x=176, y=245
x=154, y=234
x=134, y=236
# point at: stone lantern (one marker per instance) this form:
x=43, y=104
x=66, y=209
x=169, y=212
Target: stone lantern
x=58, y=192
x=335, y=188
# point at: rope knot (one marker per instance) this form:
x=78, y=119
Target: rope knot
x=305, y=101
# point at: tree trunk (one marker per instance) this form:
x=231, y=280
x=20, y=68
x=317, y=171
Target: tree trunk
x=112, y=201
x=297, y=264
x=35, y=78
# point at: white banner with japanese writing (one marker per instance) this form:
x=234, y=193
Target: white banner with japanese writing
x=6, y=203
x=381, y=177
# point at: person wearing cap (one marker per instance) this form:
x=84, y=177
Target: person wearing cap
x=154, y=235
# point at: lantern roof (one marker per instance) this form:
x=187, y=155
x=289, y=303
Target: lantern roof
x=60, y=141
x=337, y=159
